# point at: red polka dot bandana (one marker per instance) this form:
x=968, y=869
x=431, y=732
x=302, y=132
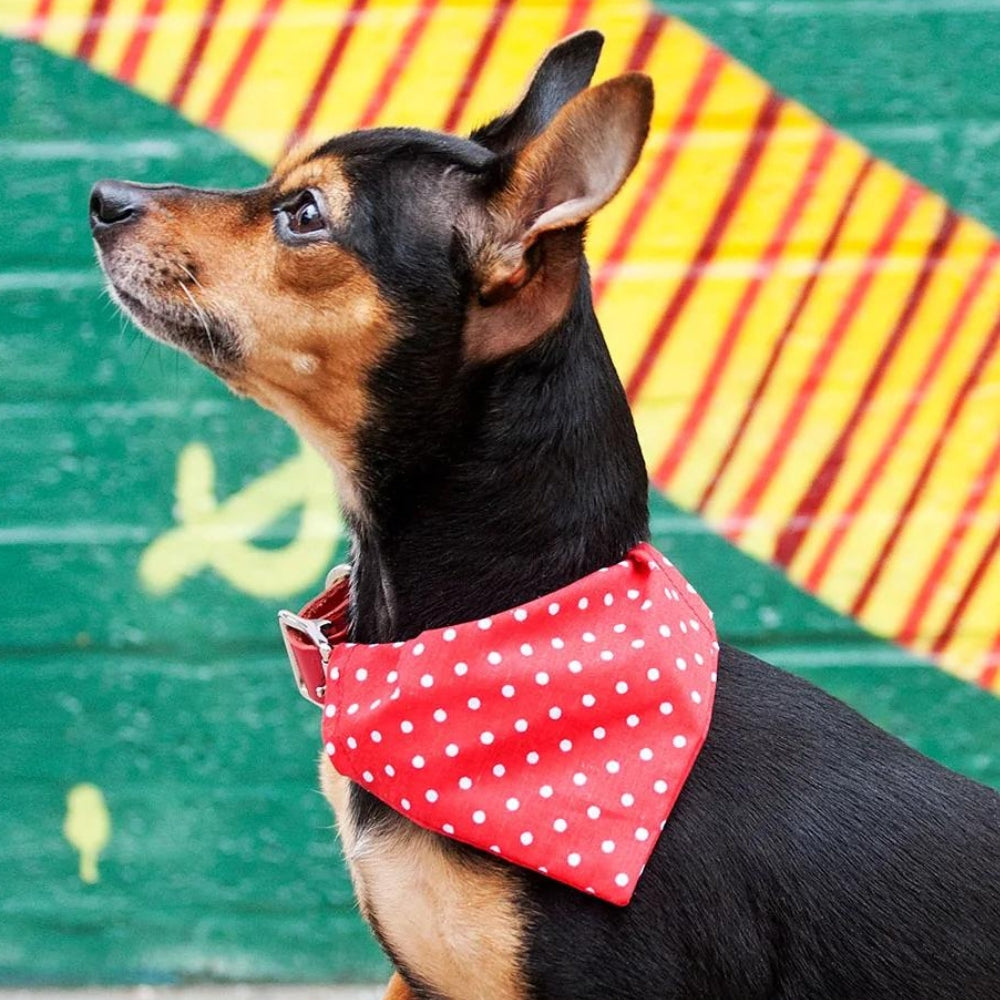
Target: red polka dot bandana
x=557, y=735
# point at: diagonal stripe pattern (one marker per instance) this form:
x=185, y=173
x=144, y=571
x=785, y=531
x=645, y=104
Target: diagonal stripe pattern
x=809, y=339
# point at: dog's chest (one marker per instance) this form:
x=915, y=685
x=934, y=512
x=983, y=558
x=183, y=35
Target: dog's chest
x=454, y=925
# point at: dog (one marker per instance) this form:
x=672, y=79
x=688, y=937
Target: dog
x=418, y=307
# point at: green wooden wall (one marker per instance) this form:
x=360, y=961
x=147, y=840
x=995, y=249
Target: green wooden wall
x=219, y=860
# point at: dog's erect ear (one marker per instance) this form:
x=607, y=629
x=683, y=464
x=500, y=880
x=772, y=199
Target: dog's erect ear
x=528, y=263
x=562, y=73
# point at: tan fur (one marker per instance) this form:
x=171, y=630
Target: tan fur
x=455, y=926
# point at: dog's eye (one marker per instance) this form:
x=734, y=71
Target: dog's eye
x=304, y=215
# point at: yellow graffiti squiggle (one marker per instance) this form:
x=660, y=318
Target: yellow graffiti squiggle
x=219, y=536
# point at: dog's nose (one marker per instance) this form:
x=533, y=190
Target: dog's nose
x=115, y=202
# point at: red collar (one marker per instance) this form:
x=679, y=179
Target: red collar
x=557, y=734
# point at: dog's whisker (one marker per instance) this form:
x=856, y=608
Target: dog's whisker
x=200, y=313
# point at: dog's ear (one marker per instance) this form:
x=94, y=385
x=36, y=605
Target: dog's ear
x=560, y=75
x=527, y=263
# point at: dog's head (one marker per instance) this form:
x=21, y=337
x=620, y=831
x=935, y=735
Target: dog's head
x=382, y=263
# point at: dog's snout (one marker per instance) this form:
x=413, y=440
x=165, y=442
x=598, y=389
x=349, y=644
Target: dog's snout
x=115, y=202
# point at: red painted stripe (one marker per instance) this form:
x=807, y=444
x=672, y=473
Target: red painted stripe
x=816, y=573
x=794, y=532
x=972, y=505
x=989, y=675
x=132, y=59
x=326, y=73
x=575, y=17
x=394, y=70
x=777, y=352
x=92, y=29
x=230, y=85
x=793, y=211
x=646, y=42
x=759, y=136
x=786, y=433
x=673, y=144
x=209, y=16
x=36, y=24
x=501, y=8
x=888, y=546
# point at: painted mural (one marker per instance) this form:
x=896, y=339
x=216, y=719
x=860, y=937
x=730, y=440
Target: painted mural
x=809, y=337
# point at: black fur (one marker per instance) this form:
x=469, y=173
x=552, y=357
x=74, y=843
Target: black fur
x=811, y=856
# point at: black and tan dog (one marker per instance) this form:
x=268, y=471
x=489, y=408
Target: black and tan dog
x=418, y=307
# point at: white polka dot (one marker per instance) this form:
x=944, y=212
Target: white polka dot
x=418, y=649
x=449, y=635
x=660, y=787
x=664, y=630
x=555, y=713
x=579, y=779
x=646, y=754
x=526, y=649
x=542, y=678
x=632, y=594
x=361, y=674
x=512, y=804
x=440, y=715
x=406, y=726
x=619, y=628
x=681, y=663
x=352, y=709
x=508, y=691
x=390, y=770
x=521, y=725
x=545, y=791
x=485, y=623
x=683, y=627
x=447, y=828
x=560, y=825
x=627, y=800
x=451, y=750
x=532, y=757
x=553, y=608
x=330, y=749
x=495, y=849
x=695, y=626
x=699, y=659
x=394, y=695
x=612, y=767
x=405, y=803
x=375, y=704
x=609, y=599
x=427, y=681
x=331, y=711
x=589, y=637
x=713, y=677
x=607, y=655
x=573, y=860
x=465, y=784
x=575, y=666
x=632, y=721
x=557, y=643
x=376, y=736
x=520, y=614
x=475, y=704
x=646, y=605
x=589, y=700
x=499, y=770
x=582, y=603
x=461, y=669
x=493, y=657
x=486, y=738
x=431, y=795
x=666, y=708
x=565, y=745
x=479, y=817
x=352, y=743
x=696, y=697
x=621, y=687
x=418, y=761
x=608, y=846
x=526, y=838
x=653, y=674
x=600, y=732
x=392, y=677
x=621, y=880
x=594, y=812
x=642, y=834
x=638, y=643
x=680, y=742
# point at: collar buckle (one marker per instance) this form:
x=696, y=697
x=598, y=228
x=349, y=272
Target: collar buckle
x=312, y=628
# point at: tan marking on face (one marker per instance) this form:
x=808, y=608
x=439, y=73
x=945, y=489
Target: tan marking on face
x=457, y=926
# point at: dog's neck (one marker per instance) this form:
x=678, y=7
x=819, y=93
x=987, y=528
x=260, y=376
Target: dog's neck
x=540, y=482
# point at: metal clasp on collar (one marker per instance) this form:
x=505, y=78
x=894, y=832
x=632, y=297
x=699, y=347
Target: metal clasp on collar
x=313, y=628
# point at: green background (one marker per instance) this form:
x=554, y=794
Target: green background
x=222, y=863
